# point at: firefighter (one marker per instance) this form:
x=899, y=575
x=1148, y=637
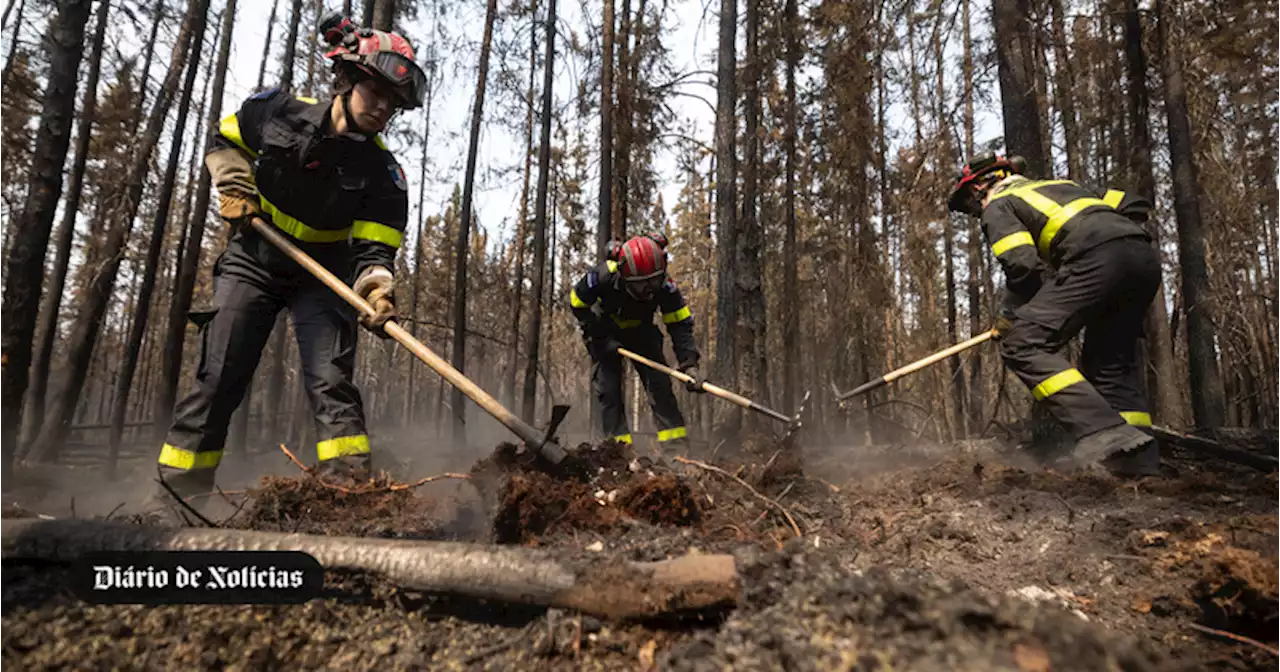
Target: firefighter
x=319, y=172
x=614, y=304
x=1073, y=259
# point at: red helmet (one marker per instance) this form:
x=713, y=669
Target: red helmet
x=643, y=266
x=979, y=172
x=376, y=53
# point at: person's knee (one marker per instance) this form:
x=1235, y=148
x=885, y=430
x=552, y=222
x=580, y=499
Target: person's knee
x=1022, y=342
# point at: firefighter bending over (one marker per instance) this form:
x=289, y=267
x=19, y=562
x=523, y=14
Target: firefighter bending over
x=1073, y=259
x=320, y=173
x=614, y=304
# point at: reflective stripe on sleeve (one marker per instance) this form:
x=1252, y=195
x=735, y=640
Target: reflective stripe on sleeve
x=181, y=458
x=676, y=316
x=1057, y=383
x=366, y=230
x=343, y=446
x=1011, y=241
x=1136, y=418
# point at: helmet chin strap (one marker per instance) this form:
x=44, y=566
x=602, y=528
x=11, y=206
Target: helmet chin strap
x=352, y=126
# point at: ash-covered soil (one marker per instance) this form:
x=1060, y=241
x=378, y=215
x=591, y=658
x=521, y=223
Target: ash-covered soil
x=960, y=557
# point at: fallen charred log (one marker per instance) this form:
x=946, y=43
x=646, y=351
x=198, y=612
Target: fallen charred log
x=603, y=587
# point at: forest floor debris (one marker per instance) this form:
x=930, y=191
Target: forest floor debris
x=920, y=557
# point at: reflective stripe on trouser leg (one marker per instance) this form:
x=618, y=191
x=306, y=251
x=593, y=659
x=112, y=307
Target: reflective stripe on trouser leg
x=1136, y=418
x=662, y=399
x=231, y=344
x=1063, y=389
x=606, y=383
x=326, y=331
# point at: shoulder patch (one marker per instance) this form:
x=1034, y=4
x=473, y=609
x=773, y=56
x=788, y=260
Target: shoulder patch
x=397, y=176
x=265, y=93
x=593, y=278
x=670, y=285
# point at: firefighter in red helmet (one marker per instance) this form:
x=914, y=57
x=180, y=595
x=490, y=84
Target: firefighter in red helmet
x=317, y=171
x=1073, y=259
x=614, y=304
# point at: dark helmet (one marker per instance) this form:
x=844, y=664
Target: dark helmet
x=979, y=173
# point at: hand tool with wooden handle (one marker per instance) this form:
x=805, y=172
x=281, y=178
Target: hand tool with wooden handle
x=715, y=390
x=915, y=366
x=542, y=442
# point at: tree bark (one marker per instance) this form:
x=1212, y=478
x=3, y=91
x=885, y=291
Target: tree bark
x=13, y=47
x=142, y=306
x=752, y=343
x=290, y=47
x=1161, y=378
x=1064, y=91
x=974, y=285
x=1016, y=58
x=790, y=309
x=725, y=370
x=517, y=285
x=266, y=45
x=411, y=398
x=24, y=272
x=176, y=328
x=1207, y=392
x=384, y=14
x=51, y=302
x=463, y=248
x=623, y=129
x=534, y=338
x=605, y=230
x=97, y=295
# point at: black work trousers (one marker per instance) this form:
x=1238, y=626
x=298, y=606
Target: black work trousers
x=253, y=281
x=606, y=381
x=1106, y=291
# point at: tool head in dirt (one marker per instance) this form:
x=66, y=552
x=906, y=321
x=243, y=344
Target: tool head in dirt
x=977, y=176
x=795, y=422
x=549, y=448
x=642, y=264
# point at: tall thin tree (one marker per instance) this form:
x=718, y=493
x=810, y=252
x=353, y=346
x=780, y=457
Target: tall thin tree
x=24, y=271
x=725, y=370
x=534, y=338
x=1016, y=60
x=791, y=311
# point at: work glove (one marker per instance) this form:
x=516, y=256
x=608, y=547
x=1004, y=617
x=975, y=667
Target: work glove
x=1002, y=326
x=693, y=372
x=603, y=346
x=376, y=285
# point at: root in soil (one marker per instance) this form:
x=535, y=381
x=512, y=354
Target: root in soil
x=302, y=504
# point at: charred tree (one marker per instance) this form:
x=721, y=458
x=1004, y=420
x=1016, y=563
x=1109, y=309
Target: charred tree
x=176, y=327
x=522, y=233
x=266, y=45
x=462, y=248
x=1207, y=394
x=142, y=306
x=97, y=295
x=534, y=339
x=24, y=271
x=51, y=302
x=725, y=369
x=752, y=343
x=791, y=311
x=605, y=229
x=1016, y=59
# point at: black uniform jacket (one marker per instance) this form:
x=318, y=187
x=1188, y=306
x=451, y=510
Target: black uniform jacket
x=599, y=295
x=320, y=187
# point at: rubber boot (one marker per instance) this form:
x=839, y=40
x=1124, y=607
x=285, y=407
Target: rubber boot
x=1098, y=446
x=193, y=486
x=350, y=468
x=1136, y=463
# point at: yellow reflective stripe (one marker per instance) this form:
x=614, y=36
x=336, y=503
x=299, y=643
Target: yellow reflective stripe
x=1057, y=383
x=367, y=230
x=343, y=446
x=612, y=266
x=1137, y=418
x=1113, y=197
x=294, y=226
x=382, y=144
x=623, y=438
x=1011, y=241
x=574, y=300
x=1057, y=215
x=672, y=434
x=625, y=324
x=307, y=99
x=181, y=458
x=230, y=129
x=677, y=316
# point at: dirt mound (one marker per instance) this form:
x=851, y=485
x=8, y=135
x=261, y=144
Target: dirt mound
x=804, y=606
x=1238, y=592
x=304, y=504
x=597, y=488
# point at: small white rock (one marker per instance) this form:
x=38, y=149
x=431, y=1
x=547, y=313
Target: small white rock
x=596, y=547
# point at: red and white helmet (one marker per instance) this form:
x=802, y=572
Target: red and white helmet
x=376, y=53
x=642, y=264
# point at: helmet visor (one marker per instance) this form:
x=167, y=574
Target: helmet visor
x=645, y=288
x=405, y=75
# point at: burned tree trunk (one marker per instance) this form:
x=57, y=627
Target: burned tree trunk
x=142, y=307
x=85, y=330
x=1016, y=58
x=176, y=328
x=753, y=345
x=266, y=45
x=290, y=47
x=791, y=311
x=1207, y=402
x=24, y=272
x=51, y=303
x=606, y=134
x=534, y=338
x=517, y=285
x=463, y=247
x=725, y=369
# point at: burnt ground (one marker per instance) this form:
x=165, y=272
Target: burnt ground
x=962, y=556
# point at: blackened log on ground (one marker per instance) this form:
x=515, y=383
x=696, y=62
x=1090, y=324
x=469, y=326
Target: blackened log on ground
x=603, y=587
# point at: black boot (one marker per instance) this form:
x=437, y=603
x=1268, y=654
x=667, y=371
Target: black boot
x=1102, y=444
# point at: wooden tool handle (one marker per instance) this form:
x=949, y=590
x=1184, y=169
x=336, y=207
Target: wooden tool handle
x=528, y=434
x=715, y=390
x=916, y=366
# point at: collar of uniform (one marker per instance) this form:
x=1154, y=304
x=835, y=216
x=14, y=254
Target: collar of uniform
x=1005, y=183
x=318, y=115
